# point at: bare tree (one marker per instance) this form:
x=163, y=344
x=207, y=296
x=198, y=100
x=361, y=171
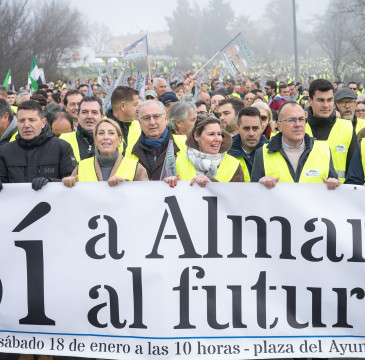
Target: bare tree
x=98, y=36
x=341, y=33
x=41, y=30
x=333, y=36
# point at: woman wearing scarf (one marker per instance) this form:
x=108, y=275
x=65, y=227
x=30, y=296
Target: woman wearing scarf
x=107, y=164
x=206, y=159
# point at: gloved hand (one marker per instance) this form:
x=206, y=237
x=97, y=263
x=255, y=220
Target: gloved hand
x=39, y=182
x=1, y=185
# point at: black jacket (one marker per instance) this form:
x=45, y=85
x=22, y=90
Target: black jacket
x=275, y=145
x=321, y=128
x=21, y=161
x=355, y=175
x=237, y=151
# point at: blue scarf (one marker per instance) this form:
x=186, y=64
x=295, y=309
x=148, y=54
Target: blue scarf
x=154, y=143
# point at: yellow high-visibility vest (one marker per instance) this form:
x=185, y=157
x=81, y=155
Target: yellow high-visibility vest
x=339, y=141
x=226, y=169
x=359, y=125
x=246, y=174
x=126, y=170
x=362, y=148
x=13, y=136
x=315, y=167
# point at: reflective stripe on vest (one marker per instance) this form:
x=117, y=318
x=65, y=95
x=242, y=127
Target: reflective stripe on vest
x=126, y=170
x=226, y=169
x=13, y=136
x=360, y=125
x=362, y=148
x=339, y=141
x=72, y=140
x=246, y=174
x=316, y=166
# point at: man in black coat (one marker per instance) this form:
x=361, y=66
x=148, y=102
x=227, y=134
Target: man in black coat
x=36, y=156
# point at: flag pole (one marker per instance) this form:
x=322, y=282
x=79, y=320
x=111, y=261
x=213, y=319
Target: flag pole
x=149, y=68
x=218, y=52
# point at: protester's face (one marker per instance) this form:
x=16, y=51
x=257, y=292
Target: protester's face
x=25, y=97
x=322, y=103
x=353, y=87
x=184, y=127
x=210, y=140
x=215, y=102
x=264, y=117
x=136, y=116
x=180, y=94
x=49, y=97
x=346, y=107
x=250, y=131
x=269, y=90
x=4, y=123
x=63, y=94
x=152, y=120
x=206, y=98
x=11, y=99
x=130, y=109
x=107, y=139
x=89, y=115
x=30, y=124
x=228, y=118
x=161, y=88
x=285, y=91
x=60, y=126
x=83, y=90
x=248, y=99
x=247, y=87
x=305, y=93
x=72, y=107
x=168, y=106
x=292, y=91
x=293, y=132
x=360, y=111
x=95, y=90
x=202, y=110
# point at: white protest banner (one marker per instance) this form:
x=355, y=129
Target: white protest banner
x=142, y=270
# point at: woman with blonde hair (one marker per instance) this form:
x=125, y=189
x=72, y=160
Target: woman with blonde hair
x=107, y=164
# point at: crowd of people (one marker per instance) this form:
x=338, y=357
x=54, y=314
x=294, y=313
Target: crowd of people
x=224, y=131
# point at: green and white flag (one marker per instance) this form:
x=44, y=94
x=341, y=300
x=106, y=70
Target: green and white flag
x=35, y=75
x=7, y=80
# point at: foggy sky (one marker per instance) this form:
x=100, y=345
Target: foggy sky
x=126, y=16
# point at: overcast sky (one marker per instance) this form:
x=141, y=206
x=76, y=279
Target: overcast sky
x=126, y=16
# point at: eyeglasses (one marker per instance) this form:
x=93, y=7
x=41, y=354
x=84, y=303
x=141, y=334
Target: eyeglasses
x=148, y=118
x=293, y=120
x=360, y=110
x=202, y=113
x=346, y=102
x=353, y=88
